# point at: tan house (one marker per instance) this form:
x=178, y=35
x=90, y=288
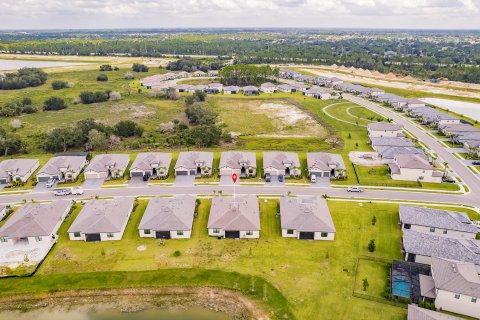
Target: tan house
x=151, y=164
x=326, y=165
x=244, y=164
x=306, y=218
x=107, y=166
x=12, y=170
x=281, y=163
x=414, y=167
x=384, y=129
x=62, y=167
x=194, y=163
x=234, y=217
x=268, y=87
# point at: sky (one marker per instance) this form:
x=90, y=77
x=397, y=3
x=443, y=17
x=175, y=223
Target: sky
x=92, y=14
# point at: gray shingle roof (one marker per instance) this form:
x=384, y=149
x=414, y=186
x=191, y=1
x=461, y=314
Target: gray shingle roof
x=243, y=216
x=278, y=160
x=17, y=166
x=417, y=313
x=35, y=219
x=324, y=161
x=442, y=219
x=413, y=161
x=101, y=161
x=457, y=277
x=189, y=159
x=392, y=142
x=427, y=286
x=250, y=88
x=102, y=216
x=232, y=159
x=459, y=128
x=149, y=160
x=52, y=167
x=306, y=214
x=384, y=126
x=390, y=152
x=231, y=88
x=169, y=214
x=431, y=114
x=424, y=244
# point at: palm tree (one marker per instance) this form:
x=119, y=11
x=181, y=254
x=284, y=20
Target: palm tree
x=445, y=164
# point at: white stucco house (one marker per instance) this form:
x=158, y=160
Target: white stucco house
x=414, y=167
x=12, y=170
x=62, y=167
x=231, y=90
x=105, y=166
x=306, y=218
x=281, y=163
x=234, y=217
x=323, y=164
x=102, y=220
x=318, y=93
x=194, y=163
x=384, y=129
x=268, y=87
x=168, y=218
x=152, y=164
x=244, y=164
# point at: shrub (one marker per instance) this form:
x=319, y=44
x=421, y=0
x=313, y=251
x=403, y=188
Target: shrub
x=138, y=67
x=29, y=109
x=374, y=220
x=102, y=77
x=54, y=103
x=114, y=95
x=26, y=102
x=106, y=67
x=129, y=76
x=365, y=284
x=58, y=84
x=128, y=128
x=371, y=246
x=88, y=97
x=23, y=78
x=177, y=253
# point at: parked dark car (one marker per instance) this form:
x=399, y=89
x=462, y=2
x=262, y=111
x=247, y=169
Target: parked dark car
x=268, y=178
x=448, y=180
x=146, y=177
x=281, y=178
x=476, y=163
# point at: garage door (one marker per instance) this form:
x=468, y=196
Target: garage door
x=136, y=173
x=181, y=173
x=326, y=174
x=43, y=179
x=3, y=181
x=93, y=237
x=307, y=235
x=92, y=175
x=232, y=234
x=162, y=235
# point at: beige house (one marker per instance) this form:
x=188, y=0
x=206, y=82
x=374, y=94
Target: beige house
x=152, y=164
x=3, y=211
x=417, y=313
x=244, y=164
x=281, y=163
x=62, y=167
x=268, y=87
x=102, y=220
x=194, y=163
x=111, y=166
x=326, y=165
x=168, y=218
x=435, y=221
x=234, y=217
x=455, y=287
x=414, y=167
x=384, y=129
x=318, y=93
x=306, y=218
x=17, y=170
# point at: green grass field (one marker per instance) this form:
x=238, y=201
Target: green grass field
x=315, y=277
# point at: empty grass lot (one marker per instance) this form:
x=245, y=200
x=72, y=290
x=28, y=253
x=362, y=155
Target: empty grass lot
x=315, y=277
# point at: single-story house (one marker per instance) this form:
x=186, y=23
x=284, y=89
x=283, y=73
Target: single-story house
x=17, y=170
x=168, y=218
x=194, y=163
x=326, y=165
x=432, y=117
x=199, y=74
x=389, y=153
x=102, y=220
x=214, y=88
x=183, y=87
x=301, y=87
x=62, y=167
x=286, y=88
x=306, y=218
x=231, y=90
x=251, y=91
x=415, y=103
x=421, y=247
x=183, y=74
x=244, y=164
x=281, y=163
x=391, y=142
x=3, y=211
x=153, y=164
x=472, y=147
x=384, y=129
x=268, y=87
x=35, y=223
x=199, y=87
x=417, y=313
x=414, y=167
x=435, y=221
x=456, y=286
x=453, y=130
x=318, y=93
x=234, y=217
x=213, y=73
x=331, y=82
x=111, y=166
x=463, y=136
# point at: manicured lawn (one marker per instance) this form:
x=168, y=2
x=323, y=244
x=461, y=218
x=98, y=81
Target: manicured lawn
x=346, y=111
x=376, y=274
x=314, y=277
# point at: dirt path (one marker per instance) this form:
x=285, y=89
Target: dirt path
x=171, y=299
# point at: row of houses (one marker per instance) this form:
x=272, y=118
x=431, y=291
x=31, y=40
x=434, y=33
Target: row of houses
x=157, y=81
x=446, y=241
x=67, y=167
x=405, y=160
x=465, y=134
x=318, y=81
x=165, y=218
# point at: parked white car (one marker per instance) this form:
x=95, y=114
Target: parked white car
x=313, y=178
x=50, y=183
x=354, y=189
x=62, y=192
x=77, y=191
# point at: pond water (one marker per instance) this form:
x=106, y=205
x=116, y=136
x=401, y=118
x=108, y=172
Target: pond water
x=17, y=64
x=468, y=109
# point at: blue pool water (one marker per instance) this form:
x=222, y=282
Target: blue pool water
x=401, y=286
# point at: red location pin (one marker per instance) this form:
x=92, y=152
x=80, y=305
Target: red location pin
x=234, y=177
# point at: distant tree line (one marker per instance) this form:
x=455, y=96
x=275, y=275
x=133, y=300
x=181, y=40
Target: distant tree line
x=23, y=78
x=191, y=65
x=247, y=74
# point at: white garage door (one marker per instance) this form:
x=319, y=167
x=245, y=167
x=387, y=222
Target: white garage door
x=92, y=175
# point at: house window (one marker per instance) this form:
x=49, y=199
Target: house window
x=179, y=233
x=109, y=235
x=147, y=231
x=407, y=226
x=216, y=231
x=432, y=229
x=3, y=239
x=445, y=231
x=289, y=231
x=249, y=233
x=76, y=234
x=474, y=299
x=38, y=239
x=457, y=296
x=324, y=234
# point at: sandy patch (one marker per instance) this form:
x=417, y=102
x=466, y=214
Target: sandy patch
x=136, y=111
x=141, y=248
x=288, y=114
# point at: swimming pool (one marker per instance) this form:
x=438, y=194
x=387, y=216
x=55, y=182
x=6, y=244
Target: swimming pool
x=401, y=286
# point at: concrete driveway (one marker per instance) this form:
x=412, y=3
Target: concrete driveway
x=42, y=187
x=365, y=159
x=274, y=182
x=322, y=182
x=184, y=181
x=2, y=186
x=137, y=182
x=226, y=181
x=93, y=183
